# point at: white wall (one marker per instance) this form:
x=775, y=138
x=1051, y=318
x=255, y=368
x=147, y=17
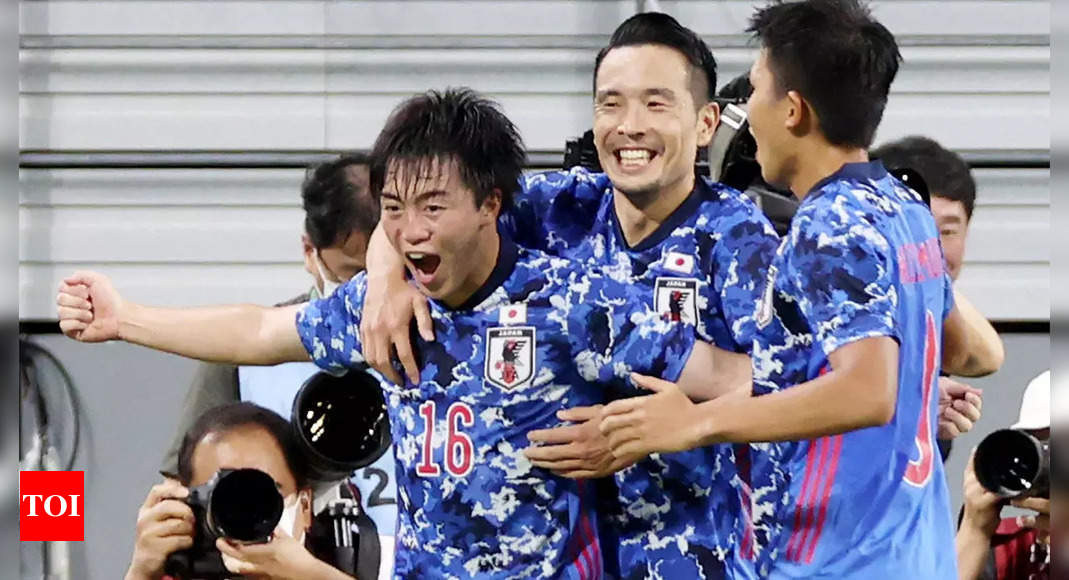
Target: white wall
x=291, y=75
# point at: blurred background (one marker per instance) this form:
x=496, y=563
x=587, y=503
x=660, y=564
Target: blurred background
x=163, y=143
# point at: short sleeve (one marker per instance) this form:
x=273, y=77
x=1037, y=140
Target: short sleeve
x=948, y=295
x=615, y=333
x=740, y=266
x=554, y=210
x=330, y=327
x=843, y=272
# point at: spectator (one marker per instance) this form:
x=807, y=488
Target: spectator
x=990, y=548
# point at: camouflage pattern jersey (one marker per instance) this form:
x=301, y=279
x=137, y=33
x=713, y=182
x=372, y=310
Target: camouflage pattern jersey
x=540, y=336
x=704, y=265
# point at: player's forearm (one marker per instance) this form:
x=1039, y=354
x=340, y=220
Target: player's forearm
x=972, y=547
x=983, y=351
x=383, y=261
x=238, y=334
x=826, y=406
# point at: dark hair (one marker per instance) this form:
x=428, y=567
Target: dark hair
x=225, y=418
x=337, y=202
x=661, y=29
x=946, y=173
x=837, y=56
x=456, y=125
x=737, y=89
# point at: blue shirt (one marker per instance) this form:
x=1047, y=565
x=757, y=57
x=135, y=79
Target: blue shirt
x=705, y=264
x=540, y=336
x=862, y=259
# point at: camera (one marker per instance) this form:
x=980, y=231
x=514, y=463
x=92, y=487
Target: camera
x=1013, y=464
x=243, y=505
x=341, y=424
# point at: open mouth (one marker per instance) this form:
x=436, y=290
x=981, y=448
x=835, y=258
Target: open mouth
x=634, y=158
x=424, y=265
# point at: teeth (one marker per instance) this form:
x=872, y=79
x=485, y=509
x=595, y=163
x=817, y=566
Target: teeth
x=634, y=156
x=416, y=255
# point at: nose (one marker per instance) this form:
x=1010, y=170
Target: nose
x=632, y=122
x=414, y=229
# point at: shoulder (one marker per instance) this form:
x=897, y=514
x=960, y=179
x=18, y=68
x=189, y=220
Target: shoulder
x=732, y=216
x=575, y=179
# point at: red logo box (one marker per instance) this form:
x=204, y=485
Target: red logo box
x=51, y=506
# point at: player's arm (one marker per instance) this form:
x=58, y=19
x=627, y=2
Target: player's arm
x=971, y=346
x=90, y=310
x=842, y=277
x=860, y=392
x=712, y=372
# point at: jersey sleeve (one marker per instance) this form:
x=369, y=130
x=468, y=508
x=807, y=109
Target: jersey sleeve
x=330, y=327
x=554, y=209
x=614, y=333
x=843, y=270
x=740, y=264
x=948, y=295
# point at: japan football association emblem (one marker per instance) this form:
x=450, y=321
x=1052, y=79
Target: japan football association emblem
x=510, y=356
x=676, y=299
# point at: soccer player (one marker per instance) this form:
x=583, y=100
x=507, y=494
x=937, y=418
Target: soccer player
x=857, y=295
x=521, y=336
x=693, y=251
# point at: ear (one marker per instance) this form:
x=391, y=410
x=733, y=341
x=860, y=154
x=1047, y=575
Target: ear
x=491, y=207
x=797, y=111
x=708, y=121
x=305, y=514
x=309, y=256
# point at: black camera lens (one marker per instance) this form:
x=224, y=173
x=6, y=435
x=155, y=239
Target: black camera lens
x=342, y=422
x=245, y=505
x=1012, y=463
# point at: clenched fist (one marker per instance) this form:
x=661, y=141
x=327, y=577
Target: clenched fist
x=88, y=307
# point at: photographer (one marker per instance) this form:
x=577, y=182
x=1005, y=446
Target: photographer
x=990, y=548
x=233, y=436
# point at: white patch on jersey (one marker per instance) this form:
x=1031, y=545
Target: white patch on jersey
x=510, y=356
x=765, y=311
x=676, y=299
x=513, y=314
x=678, y=262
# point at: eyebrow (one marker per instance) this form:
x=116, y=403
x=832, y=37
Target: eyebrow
x=952, y=219
x=667, y=94
x=424, y=196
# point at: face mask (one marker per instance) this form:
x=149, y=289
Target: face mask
x=329, y=286
x=289, y=517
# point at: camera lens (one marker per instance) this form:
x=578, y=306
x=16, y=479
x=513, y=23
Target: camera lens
x=342, y=422
x=1010, y=463
x=245, y=505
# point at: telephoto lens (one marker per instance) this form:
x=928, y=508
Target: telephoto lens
x=242, y=505
x=1012, y=464
x=341, y=423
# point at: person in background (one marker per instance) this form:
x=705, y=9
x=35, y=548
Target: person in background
x=339, y=216
x=993, y=548
x=952, y=191
x=233, y=436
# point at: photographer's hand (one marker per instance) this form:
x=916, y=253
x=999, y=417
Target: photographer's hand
x=978, y=525
x=164, y=525
x=283, y=558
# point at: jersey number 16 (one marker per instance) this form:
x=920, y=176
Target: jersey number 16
x=459, y=449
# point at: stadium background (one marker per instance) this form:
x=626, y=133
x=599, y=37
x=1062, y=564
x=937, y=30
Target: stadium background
x=161, y=143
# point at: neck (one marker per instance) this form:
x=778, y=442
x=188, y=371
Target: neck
x=484, y=256
x=637, y=221
x=821, y=162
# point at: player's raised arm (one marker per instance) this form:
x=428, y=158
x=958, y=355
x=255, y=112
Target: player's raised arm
x=91, y=310
x=971, y=346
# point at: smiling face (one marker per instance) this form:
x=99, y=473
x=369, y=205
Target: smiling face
x=647, y=129
x=431, y=219
x=953, y=225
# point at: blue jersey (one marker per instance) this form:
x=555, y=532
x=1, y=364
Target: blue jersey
x=862, y=259
x=540, y=336
x=677, y=512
